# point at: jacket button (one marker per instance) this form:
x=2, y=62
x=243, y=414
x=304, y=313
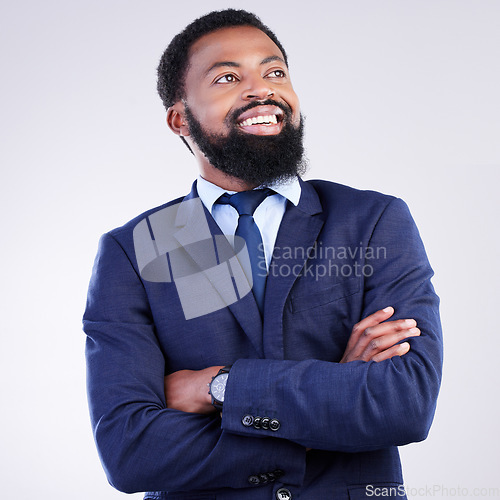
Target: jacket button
x=264, y=478
x=247, y=420
x=254, y=480
x=265, y=423
x=283, y=494
x=256, y=423
x=274, y=425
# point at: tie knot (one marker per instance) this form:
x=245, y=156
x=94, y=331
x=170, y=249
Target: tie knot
x=245, y=202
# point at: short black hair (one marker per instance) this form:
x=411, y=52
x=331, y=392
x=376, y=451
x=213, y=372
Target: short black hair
x=174, y=61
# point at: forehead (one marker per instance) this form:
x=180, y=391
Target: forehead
x=240, y=44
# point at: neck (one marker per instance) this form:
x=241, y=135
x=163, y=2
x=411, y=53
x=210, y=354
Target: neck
x=224, y=181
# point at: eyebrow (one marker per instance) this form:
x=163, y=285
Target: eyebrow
x=220, y=64
x=272, y=59
x=233, y=64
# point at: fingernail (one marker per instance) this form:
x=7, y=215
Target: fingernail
x=411, y=322
x=413, y=330
x=387, y=309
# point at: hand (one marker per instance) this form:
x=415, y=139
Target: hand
x=373, y=340
x=187, y=390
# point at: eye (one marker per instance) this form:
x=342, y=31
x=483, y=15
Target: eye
x=229, y=78
x=277, y=73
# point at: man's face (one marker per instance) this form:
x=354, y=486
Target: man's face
x=240, y=106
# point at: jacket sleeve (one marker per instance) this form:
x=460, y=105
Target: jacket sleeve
x=357, y=406
x=143, y=445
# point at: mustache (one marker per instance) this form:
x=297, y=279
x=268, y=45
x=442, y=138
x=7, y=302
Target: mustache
x=233, y=117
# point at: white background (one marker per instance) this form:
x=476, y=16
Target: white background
x=400, y=97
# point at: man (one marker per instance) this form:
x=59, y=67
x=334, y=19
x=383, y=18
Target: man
x=208, y=379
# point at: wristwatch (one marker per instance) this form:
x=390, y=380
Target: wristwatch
x=218, y=387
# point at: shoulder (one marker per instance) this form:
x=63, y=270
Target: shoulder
x=332, y=190
x=124, y=235
x=131, y=224
x=346, y=200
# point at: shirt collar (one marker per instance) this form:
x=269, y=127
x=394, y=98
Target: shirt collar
x=209, y=193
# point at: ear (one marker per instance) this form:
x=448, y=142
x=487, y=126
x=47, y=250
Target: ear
x=176, y=119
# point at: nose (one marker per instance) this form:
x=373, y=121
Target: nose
x=257, y=89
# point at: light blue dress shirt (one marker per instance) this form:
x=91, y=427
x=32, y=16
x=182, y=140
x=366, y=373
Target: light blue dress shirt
x=267, y=216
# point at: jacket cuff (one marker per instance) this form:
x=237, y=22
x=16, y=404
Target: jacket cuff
x=282, y=460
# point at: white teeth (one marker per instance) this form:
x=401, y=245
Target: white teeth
x=272, y=119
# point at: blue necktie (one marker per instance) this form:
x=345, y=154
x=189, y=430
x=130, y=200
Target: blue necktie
x=246, y=202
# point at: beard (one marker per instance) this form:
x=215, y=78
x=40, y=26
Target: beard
x=255, y=159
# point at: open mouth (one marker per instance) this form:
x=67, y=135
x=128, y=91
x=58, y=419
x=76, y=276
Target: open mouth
x=261, y=120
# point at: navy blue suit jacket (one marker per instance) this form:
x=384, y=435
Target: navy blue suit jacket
x=340, y=255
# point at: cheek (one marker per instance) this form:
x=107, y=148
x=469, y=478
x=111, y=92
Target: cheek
x=294, y=103
x=212, y=111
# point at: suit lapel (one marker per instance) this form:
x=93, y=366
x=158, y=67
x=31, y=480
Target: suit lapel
x=297, y=234
x=193, y=214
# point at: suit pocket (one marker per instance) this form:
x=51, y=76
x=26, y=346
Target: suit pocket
x=317, y=298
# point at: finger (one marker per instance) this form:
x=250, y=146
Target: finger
x=398, y=329
x=389, y=327
x=381, y=343
x=397, y=350
x=384, y=335
x=371, y=320
x=374, y=319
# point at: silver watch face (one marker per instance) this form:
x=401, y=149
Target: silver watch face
x=218, y=387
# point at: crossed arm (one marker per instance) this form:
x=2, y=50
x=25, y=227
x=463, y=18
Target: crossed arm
x=146, y=444
x=372, y=339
